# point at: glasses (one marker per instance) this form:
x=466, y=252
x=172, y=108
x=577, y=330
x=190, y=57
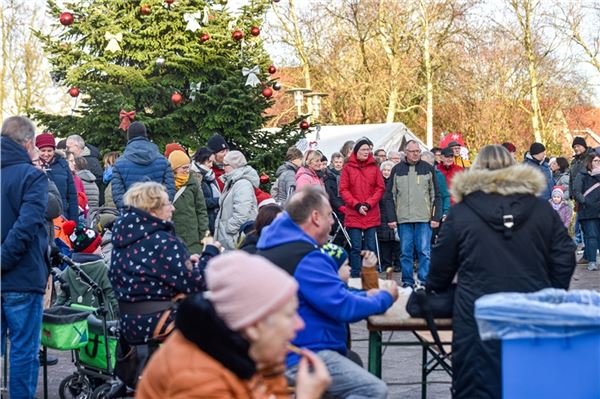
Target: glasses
x=597, y=160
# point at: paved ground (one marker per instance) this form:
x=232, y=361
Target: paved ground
x=401, y=365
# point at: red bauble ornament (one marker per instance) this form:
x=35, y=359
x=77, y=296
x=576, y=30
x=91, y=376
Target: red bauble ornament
x=267, y=92
x=255, y=31
x=74, y=91
x=145, y=9
x=272, y=69
x=204, y=37
x=264, y=178
x=237, y=35
x=66, y=18
x=304, y=125
x=176, y=98
x=169, y=2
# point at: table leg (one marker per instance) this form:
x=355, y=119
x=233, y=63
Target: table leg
x=424, y=372
x=375, y=353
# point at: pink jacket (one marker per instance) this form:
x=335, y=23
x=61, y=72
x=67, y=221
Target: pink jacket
x=307, y=177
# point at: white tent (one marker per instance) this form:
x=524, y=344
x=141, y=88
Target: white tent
x=389, y=136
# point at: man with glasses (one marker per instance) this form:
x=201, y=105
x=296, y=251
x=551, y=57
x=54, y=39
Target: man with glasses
x=414, y=207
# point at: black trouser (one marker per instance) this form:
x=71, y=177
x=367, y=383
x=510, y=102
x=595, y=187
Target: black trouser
x=388, y=251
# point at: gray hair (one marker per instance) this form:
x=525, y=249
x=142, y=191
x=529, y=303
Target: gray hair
x=428, y=157
x=386, y=163
x=336, y=155
x=391, y=153
x=19, y=129
x=77, y=139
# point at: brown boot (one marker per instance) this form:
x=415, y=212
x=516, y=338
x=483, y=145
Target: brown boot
x=369, y=278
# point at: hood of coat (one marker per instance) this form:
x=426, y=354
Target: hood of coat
x=245, y=172
x=86, y=176
x=141, y=151
x=13, y=153
x=353, y=162
x=282, y=230
x=286, y=166
x=199, y=323
x=531, y=160
x=516, y=179
x=135, y=224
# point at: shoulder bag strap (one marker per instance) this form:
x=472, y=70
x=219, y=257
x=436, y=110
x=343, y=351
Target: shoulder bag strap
x=589, y=190
x=178, y=193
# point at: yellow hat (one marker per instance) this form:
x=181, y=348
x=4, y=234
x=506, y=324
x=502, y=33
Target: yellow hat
x=178, y=158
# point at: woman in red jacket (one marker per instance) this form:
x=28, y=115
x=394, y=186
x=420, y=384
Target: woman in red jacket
x=361, y=188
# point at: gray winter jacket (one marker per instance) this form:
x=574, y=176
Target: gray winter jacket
x=285, y=184
x=237, y=204
x=91, y=189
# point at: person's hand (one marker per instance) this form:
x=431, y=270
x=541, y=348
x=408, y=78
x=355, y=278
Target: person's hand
x=363, y=210
x=312, y=378
x=392, y=225
x=369, y=259
x=434, y=224
x=391, y=287
x=373, y=291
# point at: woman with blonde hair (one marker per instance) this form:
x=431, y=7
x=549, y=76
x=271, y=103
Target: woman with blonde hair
x=498, y=237
x=307, y=173
x=150, y=265
x=109, y=160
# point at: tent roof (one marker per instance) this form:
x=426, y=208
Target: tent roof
x=389, y=136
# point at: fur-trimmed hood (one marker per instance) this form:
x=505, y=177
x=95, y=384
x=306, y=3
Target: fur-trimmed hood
x=516, y=179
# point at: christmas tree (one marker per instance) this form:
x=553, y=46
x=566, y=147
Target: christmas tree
x=187, y=68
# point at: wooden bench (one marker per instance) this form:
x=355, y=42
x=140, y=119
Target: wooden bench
x=433, y=358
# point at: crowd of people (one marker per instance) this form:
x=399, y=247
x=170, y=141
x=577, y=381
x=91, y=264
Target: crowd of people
x=253, y=270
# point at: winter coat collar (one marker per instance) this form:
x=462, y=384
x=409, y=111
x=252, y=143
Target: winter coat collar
x=199, y=323
x=13, y=153
x=516, y=179
x=85, y=258
x=285, y=167
x=333, y=171
x=86, y=176
x=245, y=172
x=141, y=151
x=135, y=224
x=529, y=158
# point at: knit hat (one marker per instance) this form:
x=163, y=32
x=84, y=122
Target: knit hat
x=136, y=129
x=247, y=288
x=510, y=147
x=447, y=152
x=202, y=154
x=45, y=140
x=235, y=159
x=536, y=148
x=338, y=253
x=84, y=240
x=558, y=190
x=217, y=143
x=178, y=158
x=579, y=140
x=360, y=142
x=172, y=147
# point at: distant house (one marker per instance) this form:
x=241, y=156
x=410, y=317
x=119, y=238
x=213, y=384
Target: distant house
x=584, y=121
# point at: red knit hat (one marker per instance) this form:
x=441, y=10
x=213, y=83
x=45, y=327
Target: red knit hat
x=45, y=140
x=173, y=147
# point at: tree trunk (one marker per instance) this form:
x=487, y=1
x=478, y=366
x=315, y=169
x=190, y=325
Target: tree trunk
x=299, y=44
x=428, y=76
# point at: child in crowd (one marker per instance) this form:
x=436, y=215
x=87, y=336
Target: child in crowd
x=86, y=251
x=561, y=206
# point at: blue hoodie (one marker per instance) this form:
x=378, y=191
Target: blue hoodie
x=24, y=234
x=141, y=161
x=325, y=304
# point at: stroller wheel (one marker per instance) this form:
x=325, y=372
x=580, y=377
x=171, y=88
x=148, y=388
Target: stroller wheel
x=75, y=386
x=101, y=392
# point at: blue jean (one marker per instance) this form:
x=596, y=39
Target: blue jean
x=361, y=240
x=414, y=237
x=22, y=320
x=578, y=232
x=591, y=238
x=348, y=379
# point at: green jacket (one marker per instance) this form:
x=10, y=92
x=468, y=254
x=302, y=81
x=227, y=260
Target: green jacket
x=190, y=217
x=93, y=266
x=414, y=193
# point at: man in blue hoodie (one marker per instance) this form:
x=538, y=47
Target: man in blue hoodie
x=293, y=241
x=23, y=253
x=141, y=161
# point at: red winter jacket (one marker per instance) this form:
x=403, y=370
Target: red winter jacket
x=449, y=173
x=361, y=183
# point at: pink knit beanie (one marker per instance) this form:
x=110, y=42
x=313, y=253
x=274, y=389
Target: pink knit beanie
x=246, y=288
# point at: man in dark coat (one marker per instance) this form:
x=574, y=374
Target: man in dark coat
x=141, y=161
x=498, y=237
x=24, y=248
x=536, y=157
x=77, y=146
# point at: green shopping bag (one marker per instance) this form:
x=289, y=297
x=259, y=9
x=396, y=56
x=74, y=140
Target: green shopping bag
x=93, y=354
x=64, y=328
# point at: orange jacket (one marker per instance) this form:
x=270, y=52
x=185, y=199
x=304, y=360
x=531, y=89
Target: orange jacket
x=181, y=370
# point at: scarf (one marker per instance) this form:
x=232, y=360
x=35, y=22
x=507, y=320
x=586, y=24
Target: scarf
x=209, y=176
x=181, y=179
x=595, y=171
x=555, y=206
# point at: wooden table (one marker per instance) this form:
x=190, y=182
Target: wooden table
x=397, y=319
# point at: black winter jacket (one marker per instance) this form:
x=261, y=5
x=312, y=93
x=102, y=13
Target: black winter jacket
x=478, y=243
x=384, y=233
x=332, y=187
x=588, y=206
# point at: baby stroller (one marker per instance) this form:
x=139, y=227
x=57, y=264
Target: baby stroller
x=90, y=336
x=102, y=219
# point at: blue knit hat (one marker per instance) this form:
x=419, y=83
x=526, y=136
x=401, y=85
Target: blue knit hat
x=338, y=253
